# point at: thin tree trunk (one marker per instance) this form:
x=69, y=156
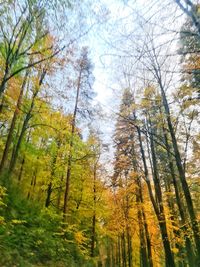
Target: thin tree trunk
x=141, y=216
x=4, y=80
x=119, y=250
x=129, y=247
x=21, y=170
x=48, y=197
x=113, y=255
x=23, y=160
x=69, y=161
x=2, y=103
x=53, y=167
x=185, y=187
x=188, y=245
x=159, y=211
x=24, y=127
x=148, y=241
x=60, y=191
x=143, y=252
x=123, y=245
x=162, y=220
x=32, y=185
x=12, y=126
x=94, y=211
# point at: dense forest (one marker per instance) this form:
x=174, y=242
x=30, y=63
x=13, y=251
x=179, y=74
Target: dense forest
x=72, y=192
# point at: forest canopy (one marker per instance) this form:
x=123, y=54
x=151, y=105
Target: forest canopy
x=99, y=133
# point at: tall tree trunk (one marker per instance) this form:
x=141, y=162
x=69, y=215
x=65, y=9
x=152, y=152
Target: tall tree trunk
x=148, y=241
x=143, y=252
x=60, y=191
x=119, y=251
x=12, y=126
x=2, y=103
x=188, y=245
x=94, y=210
x=33, y=184
x=53, y=167
x=93, y=234
x=21, y=169
x=113, y=255
x=159, y=211
x=4, y=79
x=48, y=197
x=162, y=220
x=69, y=161
x=24, y=126
x=23, y=160
x=123, y=246
x=129, y=247
x=185, y=187
x=147, y=258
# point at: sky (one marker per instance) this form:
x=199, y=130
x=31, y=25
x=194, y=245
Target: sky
x=109, y=23
x=103, y=38
x=107, y=85
x=107, y=41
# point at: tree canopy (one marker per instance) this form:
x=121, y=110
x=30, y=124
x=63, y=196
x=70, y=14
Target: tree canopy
x=99, y=133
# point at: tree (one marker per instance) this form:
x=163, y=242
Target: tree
x=190, y=9
x=127, y=179
x=83, y=85
x=19, y=42
x=189, y=47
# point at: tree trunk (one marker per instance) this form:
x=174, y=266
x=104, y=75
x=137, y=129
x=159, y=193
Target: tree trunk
x=123, y=245
x=32, y=185
x=94, y=211
x=119, y=250
x=159, y=211
x=21, y=170
x=188, y=245
x=185, y=187
x=69, y=161
x=129, y=247
x=148, y=240
x=48, y=198
x=143, y=252
x=53, y=167
x=169, y=257
x=147, y=258
x=12, y=126
x=60, y=192
x=24, y=126
x=4, y=80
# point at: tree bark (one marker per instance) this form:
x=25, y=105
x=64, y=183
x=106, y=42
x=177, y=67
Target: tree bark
x=69, y=161
x=185, y=187
x=53, y=167
x=12, y=126
x=94, y=211
x=159, y=211
x=24, y=126
x=188, y=245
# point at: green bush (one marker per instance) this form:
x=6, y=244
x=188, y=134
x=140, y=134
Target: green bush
x=30, y=236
